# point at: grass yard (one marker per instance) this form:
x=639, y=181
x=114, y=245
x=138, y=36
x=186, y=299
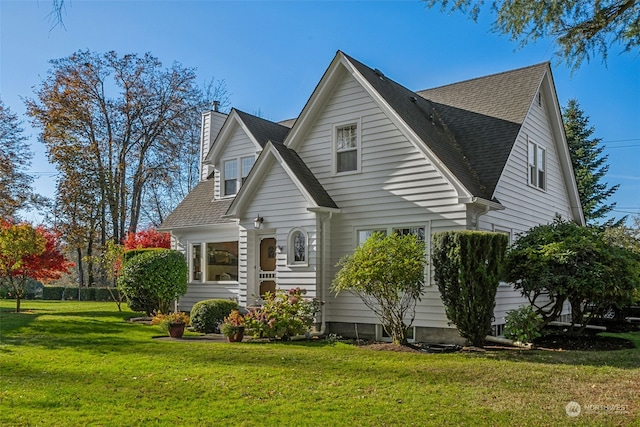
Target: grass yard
x=82, y=364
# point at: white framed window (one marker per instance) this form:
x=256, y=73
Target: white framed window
x=298, y=243
x=221, y=261
x=347, y=148
x=196, y=262
x=537, y=160
x=230, y=177
x=213, y=262
x=246, y=165
x=423, y=232
x=235, y=173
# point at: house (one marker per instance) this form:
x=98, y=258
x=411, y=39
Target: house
x=280, y=203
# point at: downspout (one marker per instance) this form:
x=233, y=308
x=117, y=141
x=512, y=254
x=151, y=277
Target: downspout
x=479, y=214
x=323, y=275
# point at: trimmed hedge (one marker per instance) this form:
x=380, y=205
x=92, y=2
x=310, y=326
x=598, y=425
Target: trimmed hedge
x=208, y=314
x=152, y=280
x=86, y=294
x=467, y=267
x=131, y=253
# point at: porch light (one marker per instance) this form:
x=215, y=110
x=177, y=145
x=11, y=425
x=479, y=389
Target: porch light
x=257, y=223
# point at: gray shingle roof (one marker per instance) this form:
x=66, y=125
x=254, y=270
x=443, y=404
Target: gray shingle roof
x=471, y=126
x=198, y=209
x=263, y=130
x=306, y=177
x=485, y=115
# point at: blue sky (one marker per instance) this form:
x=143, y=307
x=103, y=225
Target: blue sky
x=272, y=54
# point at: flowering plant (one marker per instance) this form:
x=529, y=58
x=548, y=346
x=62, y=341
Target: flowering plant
x=283, y=315
x=165, y=320
x=232, y=323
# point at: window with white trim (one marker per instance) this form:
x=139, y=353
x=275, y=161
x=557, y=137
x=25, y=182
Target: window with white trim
x=235, y=173
x=298, y=248
x=347, y=147
x=537, y=159
x=422, y=232
x=247, y=164
x=214, y=262
x=196, y=262
x=230, y=177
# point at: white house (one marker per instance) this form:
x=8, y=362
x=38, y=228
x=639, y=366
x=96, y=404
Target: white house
x=280, y=203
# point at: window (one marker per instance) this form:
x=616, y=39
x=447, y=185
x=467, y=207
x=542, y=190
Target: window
x=247, y=164
x=236, y=172
x=298, y=253
x=422, y=232
x=222, y=261
x=347, y=148
x=537, y=166
x=196, y=262
x=230, y=177
x=363, y=235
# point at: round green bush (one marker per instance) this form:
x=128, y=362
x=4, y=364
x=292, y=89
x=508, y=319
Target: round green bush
x=208, y=314
x=151, y=281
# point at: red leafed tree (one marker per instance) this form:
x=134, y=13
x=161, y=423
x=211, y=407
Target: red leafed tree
x=149, y=238
x=29, y=252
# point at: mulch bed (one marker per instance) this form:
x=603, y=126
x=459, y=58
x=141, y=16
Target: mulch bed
x=582, y=343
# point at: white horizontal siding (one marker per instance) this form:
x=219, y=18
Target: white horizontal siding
x=396, y=186
x=526, y=206
x=280, y=203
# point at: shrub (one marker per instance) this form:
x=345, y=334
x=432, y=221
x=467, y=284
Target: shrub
x=523, y=324
x=151, y=281
x=128, y=255
x=283, y=315
x=387, y=273
x=467, y=270
x=208, y=314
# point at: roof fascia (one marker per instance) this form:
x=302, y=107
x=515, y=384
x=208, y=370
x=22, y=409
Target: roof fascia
x=463, y=193
x=258, y=172
x=225, y=133
x=557, y=127
x=320, y=93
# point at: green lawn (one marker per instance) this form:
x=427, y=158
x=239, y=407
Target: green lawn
x=81, y=364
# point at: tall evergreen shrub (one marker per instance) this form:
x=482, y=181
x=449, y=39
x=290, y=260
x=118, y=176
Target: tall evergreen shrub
x=467, y=271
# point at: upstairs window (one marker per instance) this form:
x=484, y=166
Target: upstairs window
x=235, y=173
x=347, y=145
x=537, y=166
x=247, y=164
x=230, y=177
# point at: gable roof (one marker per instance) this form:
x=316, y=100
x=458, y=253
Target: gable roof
x=485, y=116
x=198, y=209
x=302, y=177
x=259, y=130
x=425, y=120
x=470, y=126
x=263, y=130
x=306, y=177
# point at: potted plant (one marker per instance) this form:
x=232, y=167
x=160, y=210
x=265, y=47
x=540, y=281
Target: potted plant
x=233, y=326
x=172, y=322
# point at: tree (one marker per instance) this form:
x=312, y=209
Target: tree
x=468, y=266
x=15, y=159
x=27, y=252
x=589, y=165
x=387, y=273
x=563, y=262
x=149, y=238
x=581, y=29
x=130, y=139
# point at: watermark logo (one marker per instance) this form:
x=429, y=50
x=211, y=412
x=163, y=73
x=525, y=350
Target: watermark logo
x=572, y=409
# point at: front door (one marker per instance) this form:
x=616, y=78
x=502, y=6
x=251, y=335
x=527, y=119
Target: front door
x=267, y=266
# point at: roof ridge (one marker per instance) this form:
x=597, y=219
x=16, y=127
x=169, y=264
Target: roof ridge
x=486, y=76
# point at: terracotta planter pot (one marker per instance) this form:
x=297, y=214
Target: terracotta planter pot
x=237, y=337
x=176, y=330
